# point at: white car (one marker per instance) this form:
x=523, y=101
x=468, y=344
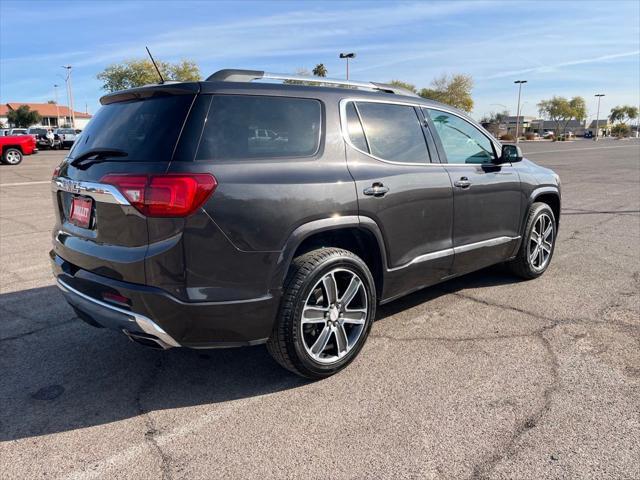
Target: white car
x=17, y=131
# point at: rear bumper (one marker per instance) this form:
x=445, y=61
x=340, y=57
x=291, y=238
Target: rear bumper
x=110, y=316
x=170, y=322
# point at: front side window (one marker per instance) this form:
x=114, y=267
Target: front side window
x=246, y=127
x=462, y=142
x=394, y=132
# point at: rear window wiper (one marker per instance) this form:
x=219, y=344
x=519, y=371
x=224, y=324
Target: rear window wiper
x=97, y=155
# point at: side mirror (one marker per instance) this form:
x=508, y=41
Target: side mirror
x=510, y=154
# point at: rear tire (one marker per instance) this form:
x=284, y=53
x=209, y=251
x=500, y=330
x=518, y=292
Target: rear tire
x=325, y=315
x=12, y=156
x=538, y=243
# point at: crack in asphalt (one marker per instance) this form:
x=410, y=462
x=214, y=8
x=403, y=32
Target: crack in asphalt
x=38, y=330
x=485, y=467
x=579, y=211
x=508, y=448
x=152, y=431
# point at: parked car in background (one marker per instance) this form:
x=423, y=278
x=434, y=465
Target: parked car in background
x=174, y=226
x=66, y=135
x=17, y=131
x=548, y=134
x=15, y=147
x=40, y=134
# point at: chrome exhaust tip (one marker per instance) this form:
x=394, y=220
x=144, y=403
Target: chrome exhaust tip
x=147, y=340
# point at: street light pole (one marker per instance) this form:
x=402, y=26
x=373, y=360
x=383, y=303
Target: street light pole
x=347, y=56
x=55, y=90
x=70, y=94
x=599, y=95
x=519, y=82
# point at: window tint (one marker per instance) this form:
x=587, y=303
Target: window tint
x=462, y=142
x=394, y=132
x=247, y=127
x=354, y=127
x=146, y=129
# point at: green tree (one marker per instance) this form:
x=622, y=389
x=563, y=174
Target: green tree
x=454, y=90
x=623, y=114
x=136, y=73
x=561, y=111
x=406, y=85
x=23, y=117
x=320, y=70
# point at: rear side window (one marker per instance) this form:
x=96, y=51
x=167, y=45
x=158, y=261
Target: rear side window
x=394, y=132
x=146, y=129
x=246, y=127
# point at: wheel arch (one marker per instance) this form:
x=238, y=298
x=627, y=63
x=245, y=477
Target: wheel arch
x=7, y=147
x=550, y=196
x=360, y=235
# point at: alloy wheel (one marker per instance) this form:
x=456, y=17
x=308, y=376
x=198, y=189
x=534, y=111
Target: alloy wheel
x=541, y=242
x=334, y=315
x=12, y=157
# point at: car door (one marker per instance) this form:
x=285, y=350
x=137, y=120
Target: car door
x=486, y=196
x=401, y=186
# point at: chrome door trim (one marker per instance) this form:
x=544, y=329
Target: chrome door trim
x=144, y=323
x=425, y=258
x=492, y=242
x=100, y=192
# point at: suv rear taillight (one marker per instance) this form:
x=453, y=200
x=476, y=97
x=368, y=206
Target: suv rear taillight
x=165, y=195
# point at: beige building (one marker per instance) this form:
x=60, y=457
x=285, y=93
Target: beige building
x=52, y=115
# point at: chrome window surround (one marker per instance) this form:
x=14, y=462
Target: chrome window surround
x=100, y=192
x=345, y=132
x=492, y=242
x=145, y=324
x=345, y=129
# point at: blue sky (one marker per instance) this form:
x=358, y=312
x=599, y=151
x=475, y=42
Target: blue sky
x=561, y=48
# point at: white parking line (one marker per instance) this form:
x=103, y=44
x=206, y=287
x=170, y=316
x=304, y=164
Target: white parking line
x=24, y=184
x=580, y=149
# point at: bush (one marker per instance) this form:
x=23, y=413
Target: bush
x=529, y=136
x=507, y=137
x=620, y=130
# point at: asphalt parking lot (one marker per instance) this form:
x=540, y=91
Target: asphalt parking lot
x=484, y=376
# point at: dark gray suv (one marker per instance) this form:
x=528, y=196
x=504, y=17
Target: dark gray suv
x=226, y=213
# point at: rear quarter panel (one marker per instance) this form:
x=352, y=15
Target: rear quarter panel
x=256, y=207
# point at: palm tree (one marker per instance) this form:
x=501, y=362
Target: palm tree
x=320, y=70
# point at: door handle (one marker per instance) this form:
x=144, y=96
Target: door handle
x=462, y=183
x=376, y=190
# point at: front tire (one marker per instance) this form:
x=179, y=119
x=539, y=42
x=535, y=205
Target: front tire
x=12, y=156
x=538, y=243
x=326, y=313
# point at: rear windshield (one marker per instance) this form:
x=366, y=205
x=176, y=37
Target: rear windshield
x=251, y=127
x=38, y=131
x=146, y=129
x=66, y=131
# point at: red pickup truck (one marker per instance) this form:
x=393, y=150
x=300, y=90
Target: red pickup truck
x=14, y=147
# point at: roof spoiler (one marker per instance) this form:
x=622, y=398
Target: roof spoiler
x=234, y=75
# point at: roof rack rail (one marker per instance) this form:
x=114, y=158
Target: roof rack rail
x=233, y=75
